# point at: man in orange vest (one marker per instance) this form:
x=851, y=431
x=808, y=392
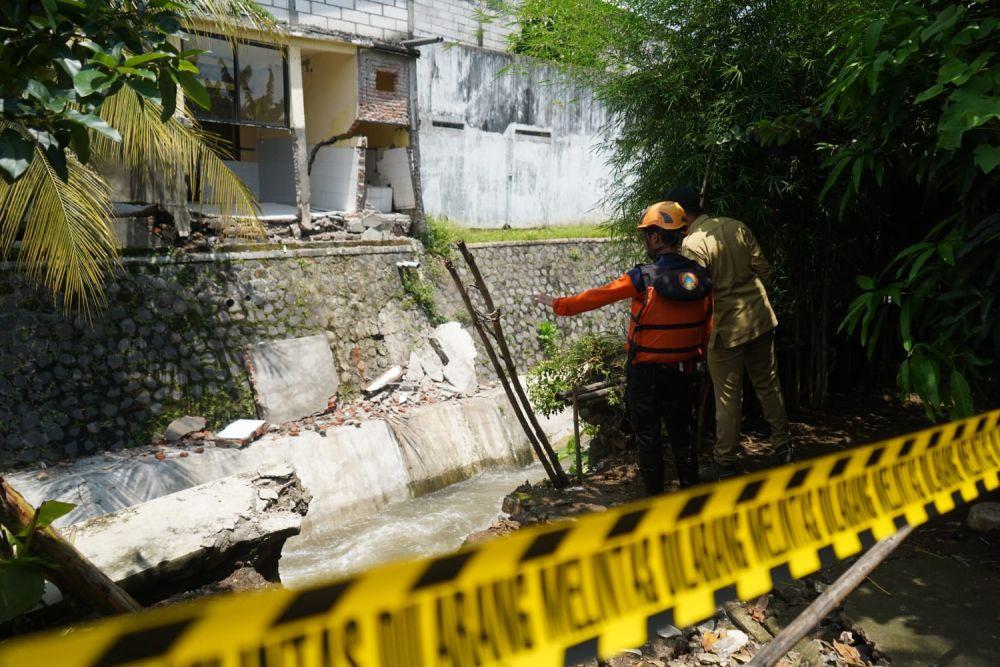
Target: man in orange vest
x=671, y=320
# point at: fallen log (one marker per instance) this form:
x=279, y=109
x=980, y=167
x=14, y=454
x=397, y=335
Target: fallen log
x=71, y=570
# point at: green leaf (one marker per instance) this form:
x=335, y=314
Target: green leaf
x=872, y=34
x=36, y=89
x=194, y=89
x=931, y=92
x=947, y=252
x=95, y=123
x=50, y=510
x=70, y=65
x=168, y=95
x=987, y=157
x=146, y=57
x=904, y=326
x=925, y=378
x=961, y=395
x=187, y=66
x=16, y=153
x=147, y=89
x=21, y=587
x=89, y=81
x=865, y=282
x=147, y=74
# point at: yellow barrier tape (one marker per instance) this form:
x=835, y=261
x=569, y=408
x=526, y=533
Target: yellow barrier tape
x=564, y=593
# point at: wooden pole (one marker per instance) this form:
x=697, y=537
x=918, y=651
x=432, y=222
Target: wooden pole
x=509, y=361
x=70, y=571
x=829, y=600
x=576, y=435
x=504, y=381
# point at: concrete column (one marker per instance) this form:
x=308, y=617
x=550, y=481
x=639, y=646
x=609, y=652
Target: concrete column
x=297, y=121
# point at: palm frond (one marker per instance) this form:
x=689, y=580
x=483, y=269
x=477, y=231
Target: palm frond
x=235, y=19
x=66, y=241
x=175, y=149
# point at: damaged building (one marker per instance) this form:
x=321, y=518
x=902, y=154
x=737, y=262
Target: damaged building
x=323, y=128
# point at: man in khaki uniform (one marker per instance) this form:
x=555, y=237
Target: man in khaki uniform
x=743, y=336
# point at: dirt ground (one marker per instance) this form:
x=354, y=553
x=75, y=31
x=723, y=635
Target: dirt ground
x=845, y=422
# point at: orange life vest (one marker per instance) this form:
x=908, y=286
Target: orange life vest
x=672, y=320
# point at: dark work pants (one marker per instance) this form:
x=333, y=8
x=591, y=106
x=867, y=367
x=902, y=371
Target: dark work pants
x=658, y=393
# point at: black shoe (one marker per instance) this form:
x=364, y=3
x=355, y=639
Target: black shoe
x=783, y=454
x=727, y=470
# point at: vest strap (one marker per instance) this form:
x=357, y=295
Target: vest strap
x=668, y=327
x=663, y=350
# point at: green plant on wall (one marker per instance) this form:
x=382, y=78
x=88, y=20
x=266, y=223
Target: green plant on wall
x=420, y=293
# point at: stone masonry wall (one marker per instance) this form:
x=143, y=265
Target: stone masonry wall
x=170, y=340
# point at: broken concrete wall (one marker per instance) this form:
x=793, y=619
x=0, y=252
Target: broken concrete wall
x=185, y=539
x=171, y=339
x=502, y=141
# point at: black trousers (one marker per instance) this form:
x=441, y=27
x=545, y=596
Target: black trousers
x=658, y=393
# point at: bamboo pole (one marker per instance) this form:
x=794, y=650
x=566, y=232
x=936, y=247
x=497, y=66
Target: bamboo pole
x=72, y=572
x=509, y=361
x=504, y=381
x=829, y=600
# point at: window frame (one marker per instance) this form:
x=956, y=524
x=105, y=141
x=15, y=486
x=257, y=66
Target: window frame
x=282, y=52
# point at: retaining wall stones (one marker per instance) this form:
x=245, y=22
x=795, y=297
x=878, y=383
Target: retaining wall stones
x=171, y=339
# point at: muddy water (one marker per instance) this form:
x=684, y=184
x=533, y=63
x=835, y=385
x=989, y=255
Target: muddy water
x=425, y=526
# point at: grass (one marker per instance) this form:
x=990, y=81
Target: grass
x=441, y=233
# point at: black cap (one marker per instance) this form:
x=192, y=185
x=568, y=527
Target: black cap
x=687, y=197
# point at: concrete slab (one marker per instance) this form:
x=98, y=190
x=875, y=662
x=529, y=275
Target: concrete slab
x=182, y=426
x=292, y=378
x=456, y=345
x=940, y=612
x=351, y=472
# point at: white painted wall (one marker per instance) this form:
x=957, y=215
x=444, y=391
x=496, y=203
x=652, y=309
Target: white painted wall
x=487, y=174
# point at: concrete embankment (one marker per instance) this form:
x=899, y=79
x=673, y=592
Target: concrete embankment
x=351, y=471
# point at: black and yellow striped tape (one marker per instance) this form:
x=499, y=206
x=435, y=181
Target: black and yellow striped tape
x=563, y=593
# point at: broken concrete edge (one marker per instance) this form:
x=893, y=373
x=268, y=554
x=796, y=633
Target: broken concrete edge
x=210, y=531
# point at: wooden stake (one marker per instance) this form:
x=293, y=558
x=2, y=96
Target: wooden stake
x=70, y=571
x=509, y=362
x=829, y=600
x=576, y=435
x=491, y=353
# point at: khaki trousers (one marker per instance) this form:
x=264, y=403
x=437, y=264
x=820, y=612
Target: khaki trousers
x=726, y=368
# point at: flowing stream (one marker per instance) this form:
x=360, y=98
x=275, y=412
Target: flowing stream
x=428, y=525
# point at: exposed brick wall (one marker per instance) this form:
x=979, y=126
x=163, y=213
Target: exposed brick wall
x=457, y=21
x=380, y=106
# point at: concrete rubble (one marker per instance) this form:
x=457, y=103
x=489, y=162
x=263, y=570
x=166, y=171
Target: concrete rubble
x=185, y=539
x=183, y=426
x=241, y=432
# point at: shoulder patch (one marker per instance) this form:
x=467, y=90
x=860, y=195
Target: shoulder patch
x=689, y=281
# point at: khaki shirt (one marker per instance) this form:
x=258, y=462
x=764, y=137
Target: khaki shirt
x=728, y=249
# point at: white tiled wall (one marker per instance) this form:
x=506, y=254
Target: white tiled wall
x=334, y=177
x=394, y=167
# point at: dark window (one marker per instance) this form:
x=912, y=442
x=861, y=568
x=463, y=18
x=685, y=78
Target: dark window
x=385, y=80
x=246, y=84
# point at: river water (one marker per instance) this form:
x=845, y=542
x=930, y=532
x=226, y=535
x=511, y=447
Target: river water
x=428, y=525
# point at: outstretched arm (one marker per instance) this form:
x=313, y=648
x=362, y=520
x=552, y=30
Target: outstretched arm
x=622, y=288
